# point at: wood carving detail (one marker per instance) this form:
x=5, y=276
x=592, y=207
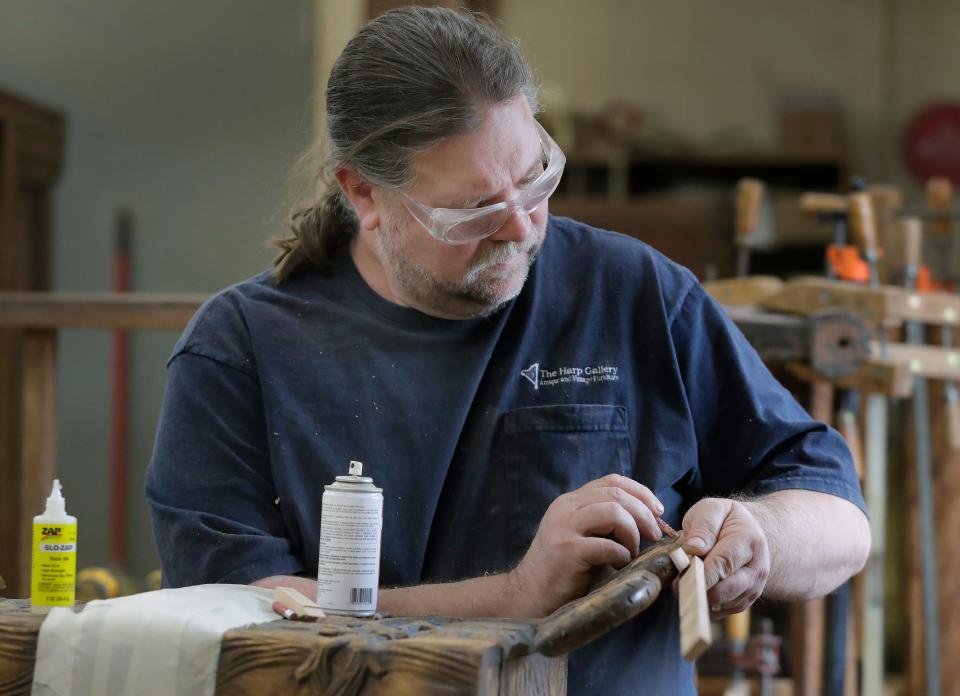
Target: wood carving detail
x=620, y=597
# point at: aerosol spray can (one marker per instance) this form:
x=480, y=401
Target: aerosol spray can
x=350, y=524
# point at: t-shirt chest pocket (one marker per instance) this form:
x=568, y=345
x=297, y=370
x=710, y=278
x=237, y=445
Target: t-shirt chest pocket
x=547, y=451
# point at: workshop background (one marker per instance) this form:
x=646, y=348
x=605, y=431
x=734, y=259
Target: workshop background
x=181, y=123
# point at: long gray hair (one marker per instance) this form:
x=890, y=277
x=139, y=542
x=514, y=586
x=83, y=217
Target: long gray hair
x=409, y=79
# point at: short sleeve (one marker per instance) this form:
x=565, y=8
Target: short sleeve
x=753, y=437
x=209, y=484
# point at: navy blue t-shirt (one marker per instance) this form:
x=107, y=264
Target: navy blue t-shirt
x=611, y=359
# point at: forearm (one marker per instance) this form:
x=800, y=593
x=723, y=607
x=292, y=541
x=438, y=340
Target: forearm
x=816, y=541
x=490, y=595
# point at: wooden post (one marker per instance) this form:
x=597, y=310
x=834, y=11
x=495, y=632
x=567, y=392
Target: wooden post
x=946, y=485
x=875, y=494
x=808, y=619
x=946, y=463
x=38, y=430
x=31, y=148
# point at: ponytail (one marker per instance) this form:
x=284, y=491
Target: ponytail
x=316, y=234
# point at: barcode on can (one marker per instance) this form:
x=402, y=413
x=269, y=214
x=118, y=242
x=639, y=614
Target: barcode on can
x=361, y=595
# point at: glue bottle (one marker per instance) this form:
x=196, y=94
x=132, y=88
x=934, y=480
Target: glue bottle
x=53, y=581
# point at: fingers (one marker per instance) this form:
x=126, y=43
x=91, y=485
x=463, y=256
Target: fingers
x=583, y=533
x=634, y=488
x=643, y=517
x=703, y=523
x=744, y=600
x=608, y=519
x=726, y=558
x=598, y=551
x=738, y=591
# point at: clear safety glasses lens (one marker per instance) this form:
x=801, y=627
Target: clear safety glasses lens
x=455, y=226
x=488, y=224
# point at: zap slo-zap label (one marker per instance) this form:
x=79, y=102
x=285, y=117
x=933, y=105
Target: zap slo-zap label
x=53, y=577
x=350, y=523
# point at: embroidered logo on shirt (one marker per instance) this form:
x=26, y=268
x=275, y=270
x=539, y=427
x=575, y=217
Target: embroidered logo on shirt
x=589, y=374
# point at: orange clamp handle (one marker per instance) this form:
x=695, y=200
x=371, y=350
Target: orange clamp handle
x=846, y=264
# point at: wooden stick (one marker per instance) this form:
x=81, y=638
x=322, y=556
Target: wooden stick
x=813, y=203
x=695, y=635
x=302, y=607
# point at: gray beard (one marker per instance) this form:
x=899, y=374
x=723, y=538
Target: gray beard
x=475, y=295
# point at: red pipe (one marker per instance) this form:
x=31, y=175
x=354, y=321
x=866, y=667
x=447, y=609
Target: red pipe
x=119, y=402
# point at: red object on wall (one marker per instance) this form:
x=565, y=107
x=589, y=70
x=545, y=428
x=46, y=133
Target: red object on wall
x=120, y=401
x=931, y=142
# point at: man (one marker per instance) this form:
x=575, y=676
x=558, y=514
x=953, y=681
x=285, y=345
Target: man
x=528, y=391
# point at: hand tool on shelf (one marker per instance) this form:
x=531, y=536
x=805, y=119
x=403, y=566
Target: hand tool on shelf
x=923, y=461
x=749, y=204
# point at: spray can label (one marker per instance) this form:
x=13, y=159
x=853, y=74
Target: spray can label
x=54, y=572
x=351, y=520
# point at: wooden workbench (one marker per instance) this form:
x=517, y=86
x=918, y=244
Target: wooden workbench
x=402, y=655
x=343, y=655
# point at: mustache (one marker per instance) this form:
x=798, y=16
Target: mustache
x=505, y=251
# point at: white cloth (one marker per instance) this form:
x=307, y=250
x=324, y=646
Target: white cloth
x=163, y=643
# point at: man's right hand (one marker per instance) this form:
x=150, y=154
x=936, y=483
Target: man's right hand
x=581, y=533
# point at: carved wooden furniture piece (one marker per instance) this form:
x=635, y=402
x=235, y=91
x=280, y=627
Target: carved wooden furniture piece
x=617, y=599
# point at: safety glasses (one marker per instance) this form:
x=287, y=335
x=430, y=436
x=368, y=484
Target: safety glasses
x=461, y=226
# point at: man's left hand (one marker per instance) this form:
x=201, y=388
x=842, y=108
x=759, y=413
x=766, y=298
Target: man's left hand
x=734, y=549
